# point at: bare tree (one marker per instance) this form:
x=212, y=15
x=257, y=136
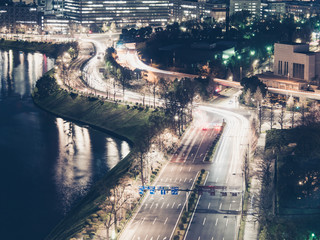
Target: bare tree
x=258, y=97
x=247, y=97
x=271, y=117
x=281, y=117
x=260, y=114
x=292, y=117
x=313, y=115
x=290, y=102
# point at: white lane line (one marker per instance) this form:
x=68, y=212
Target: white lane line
x=199, y=238
x=158, y=237
x=189, y=169
x=180, y=169
x=157, y=205
x=167, y=205
x=166, y=180
x=146, y=206
x=170, y=179
x=176, y=179
x=173, y=204
x=230, y=206
x=220, y=206
x=151, y=205
x=133, y=237
x=185, y=180
x=204, y=221
x=209, y=205
x=227, y=222
x=142, y=220
x=217, y=222
x=154, y=221
x=190, y=180
x=146, y=237
x=180, y=180
x=179, y=205
x=165, y=221
x=162, y=205
x=217, y=179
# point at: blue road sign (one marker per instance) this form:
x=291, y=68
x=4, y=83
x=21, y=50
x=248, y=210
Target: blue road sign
x=152, y=189
x=141, y=190
x=162, y=190
x=174, y=190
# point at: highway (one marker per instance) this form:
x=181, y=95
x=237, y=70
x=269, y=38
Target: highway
x=216, y=217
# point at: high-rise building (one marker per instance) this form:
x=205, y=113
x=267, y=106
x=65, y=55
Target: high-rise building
x=253, y=6
x=122, y=12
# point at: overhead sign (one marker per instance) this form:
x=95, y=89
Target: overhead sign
x=162, y=189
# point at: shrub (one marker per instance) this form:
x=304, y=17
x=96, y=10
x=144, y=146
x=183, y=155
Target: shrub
x=181, y=226
x=176, y=237
x=184, y=219
x=202, y=171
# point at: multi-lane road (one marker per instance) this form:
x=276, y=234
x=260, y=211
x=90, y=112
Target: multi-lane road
x=216, y=217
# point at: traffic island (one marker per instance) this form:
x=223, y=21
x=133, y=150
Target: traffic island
x=214, y=145
x=189, y=207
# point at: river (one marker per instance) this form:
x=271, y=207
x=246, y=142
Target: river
x=46, y=163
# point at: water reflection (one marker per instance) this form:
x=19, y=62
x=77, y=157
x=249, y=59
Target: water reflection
x=19, y=71
x=47, y=163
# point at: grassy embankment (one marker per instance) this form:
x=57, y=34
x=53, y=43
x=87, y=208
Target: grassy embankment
x=121, y=121
x=52, y=49
x=297, y=186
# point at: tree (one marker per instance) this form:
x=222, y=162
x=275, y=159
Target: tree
x=247, y=97
x=258, y=97
x=290, y=103
x=271, y=117
x=313, y=116
x=281, y=117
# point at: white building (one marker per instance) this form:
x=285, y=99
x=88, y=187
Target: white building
x=296, y=61
x=253, y=6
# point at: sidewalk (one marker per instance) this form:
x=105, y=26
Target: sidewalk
x=251, y=229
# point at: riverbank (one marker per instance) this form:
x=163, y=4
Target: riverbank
x=129, y=123
x=51, y=49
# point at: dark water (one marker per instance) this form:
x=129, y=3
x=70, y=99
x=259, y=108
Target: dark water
x=46, y=163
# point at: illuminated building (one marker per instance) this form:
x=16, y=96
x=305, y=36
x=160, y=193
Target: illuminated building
x=19, y=17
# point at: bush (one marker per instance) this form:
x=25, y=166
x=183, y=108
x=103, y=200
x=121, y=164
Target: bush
x=199, y=178
x=202, y=171
x=176, y=237
x=181, y=226
x=128, y=107
x=184, y=219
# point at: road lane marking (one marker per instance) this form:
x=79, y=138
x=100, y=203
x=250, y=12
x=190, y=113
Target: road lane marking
x=166, y=180
x=204, y=221
x=142, y=220
x=165, y=221
x=227, y=222
x=217, y=179
x=176, y=179
x=172, y=169
x=179, y=205
x=189, y=169
x=151, y=205
x=146, y=206
x=168, y=205
x=146, y=237
x=173, y=204
x=217, y=221
x=157, y=205
x=230, y=206
x=154, y=221
x=220, y=206
x=190, y=180
x=158, y=237
x=199, y=238
x=209, y=205
x=170, y=179
x=180, y=169
x=162, y=205
x=180, y=180
x=185, y=180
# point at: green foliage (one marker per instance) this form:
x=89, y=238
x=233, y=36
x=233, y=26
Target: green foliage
x=181, y=226
x=253, y=83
